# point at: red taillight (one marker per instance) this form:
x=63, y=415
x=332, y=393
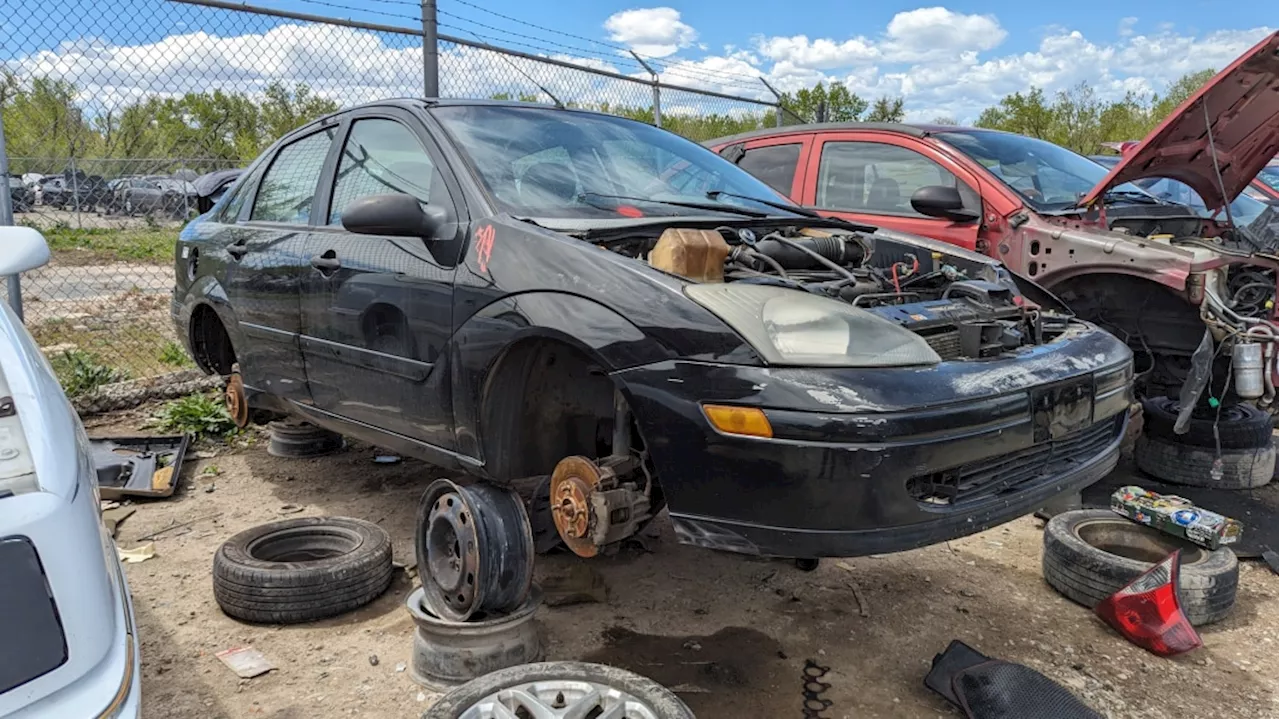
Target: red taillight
x=1148, y=614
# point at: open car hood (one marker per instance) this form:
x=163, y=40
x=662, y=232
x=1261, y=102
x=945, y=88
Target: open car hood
x=1242, y=103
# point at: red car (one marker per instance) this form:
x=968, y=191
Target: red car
x=1153, y=272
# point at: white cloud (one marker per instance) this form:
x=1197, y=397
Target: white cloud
x=1125, y=28
x=656, y=32
x=938, y=31
x=942, y=62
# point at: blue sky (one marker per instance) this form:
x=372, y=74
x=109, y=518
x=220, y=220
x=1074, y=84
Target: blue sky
x=949, y=59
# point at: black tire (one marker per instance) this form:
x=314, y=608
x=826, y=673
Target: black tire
x=1240, y=426
x=1082, y=569
x=661, y=700
x=298, y=570
x=1184, y=464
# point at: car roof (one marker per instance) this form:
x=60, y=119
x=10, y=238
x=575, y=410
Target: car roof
x=417, y=103
x=902, y=128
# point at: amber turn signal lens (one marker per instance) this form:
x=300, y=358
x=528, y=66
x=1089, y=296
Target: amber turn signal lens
x=738, y=420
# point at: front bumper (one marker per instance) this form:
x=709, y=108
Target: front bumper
x=873, y=461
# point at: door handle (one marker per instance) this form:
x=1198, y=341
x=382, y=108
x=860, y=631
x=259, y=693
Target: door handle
x=326, y=263
x=238, y=250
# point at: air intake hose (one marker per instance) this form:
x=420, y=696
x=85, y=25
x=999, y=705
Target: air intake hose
x=836, y=249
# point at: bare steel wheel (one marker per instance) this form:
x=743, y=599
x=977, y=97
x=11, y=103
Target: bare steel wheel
x=560, y=690
x=474, y=548
x=237, y=403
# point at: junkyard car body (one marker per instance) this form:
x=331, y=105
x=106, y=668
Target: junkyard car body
x=1144, y=269
x=70, y=645
x=499, y=344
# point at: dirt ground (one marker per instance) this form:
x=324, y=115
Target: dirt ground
x=731, y=634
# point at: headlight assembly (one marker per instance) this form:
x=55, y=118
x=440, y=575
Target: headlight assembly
x=788, y=327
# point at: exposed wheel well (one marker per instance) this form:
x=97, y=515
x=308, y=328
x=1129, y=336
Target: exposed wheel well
x=543, y=401
x=1159, y=325
x=210, y=344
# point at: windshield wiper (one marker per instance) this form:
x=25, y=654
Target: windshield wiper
x=710, y=206
x=802, y=211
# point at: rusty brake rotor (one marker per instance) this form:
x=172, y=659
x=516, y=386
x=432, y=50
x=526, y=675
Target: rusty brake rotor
x=237, y=402
x=572, y=483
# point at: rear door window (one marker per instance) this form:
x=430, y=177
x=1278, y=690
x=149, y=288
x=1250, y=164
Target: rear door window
x=289, y=187
x=775, y=165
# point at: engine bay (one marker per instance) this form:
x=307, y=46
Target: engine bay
x=965, y=307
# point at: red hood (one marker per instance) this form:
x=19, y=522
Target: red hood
x=1243, y=104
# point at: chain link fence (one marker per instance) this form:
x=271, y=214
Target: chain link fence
x=113, y=110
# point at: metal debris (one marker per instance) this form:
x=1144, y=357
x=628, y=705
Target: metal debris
x=814, y=705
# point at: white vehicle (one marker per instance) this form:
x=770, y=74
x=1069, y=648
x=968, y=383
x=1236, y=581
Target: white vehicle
x=70, y=643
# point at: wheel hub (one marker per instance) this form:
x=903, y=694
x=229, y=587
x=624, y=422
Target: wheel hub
x=572, y=484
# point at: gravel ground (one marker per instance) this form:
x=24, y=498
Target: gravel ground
x=731, y=633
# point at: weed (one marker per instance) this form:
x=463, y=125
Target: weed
x=95, y=245
x=174, y=355
x=199, y=414
x=82, y=372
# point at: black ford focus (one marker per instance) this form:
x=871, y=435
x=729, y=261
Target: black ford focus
x=525, y=292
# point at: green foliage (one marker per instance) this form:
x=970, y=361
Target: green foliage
x=887, y=109
x=203, y=415
x=173, y=354
x=82, y=372
x=825, y=103
x=44, y=126
x=1078, y=120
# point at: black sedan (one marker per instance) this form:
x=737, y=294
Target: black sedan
x=520, y=292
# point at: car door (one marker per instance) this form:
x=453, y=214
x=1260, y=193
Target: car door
x=266, y=255
x=776, y=161
x=377, y=310
x=870, y=177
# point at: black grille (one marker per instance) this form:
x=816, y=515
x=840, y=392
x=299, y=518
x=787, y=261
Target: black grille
x=946, y=344
x=1014, y=471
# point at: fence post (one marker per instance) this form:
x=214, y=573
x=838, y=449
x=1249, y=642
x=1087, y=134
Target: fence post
x=6, y=218
x=657, y=90
x=777, y=114
x=430, y=52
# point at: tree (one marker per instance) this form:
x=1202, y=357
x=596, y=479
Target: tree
x=825, y=104
x=1179, y=91
x=284, y=110
x=944, y=120
x=887, y=109
x=1075, y=125
x=1024, y=114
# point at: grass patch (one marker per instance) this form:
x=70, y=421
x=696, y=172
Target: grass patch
x=174, y=355
x=202, y=415
x=97, y=245
x=81, y=372
x=137, y=348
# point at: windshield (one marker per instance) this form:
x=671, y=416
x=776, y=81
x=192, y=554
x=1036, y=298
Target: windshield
x=1048, y=177
x=550, y=163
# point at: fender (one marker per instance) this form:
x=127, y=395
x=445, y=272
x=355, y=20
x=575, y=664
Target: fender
x=486, y=337
x=207, y=290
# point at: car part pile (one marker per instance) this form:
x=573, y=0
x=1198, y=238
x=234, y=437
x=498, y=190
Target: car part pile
x=1091, y=554
x=138, y=466
x=298, y=570
x=448, y=653
x=560, y=690
x=986, y=688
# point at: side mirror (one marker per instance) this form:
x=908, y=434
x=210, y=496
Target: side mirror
x=395, y=214
x=21, y=249
x=941, y=201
